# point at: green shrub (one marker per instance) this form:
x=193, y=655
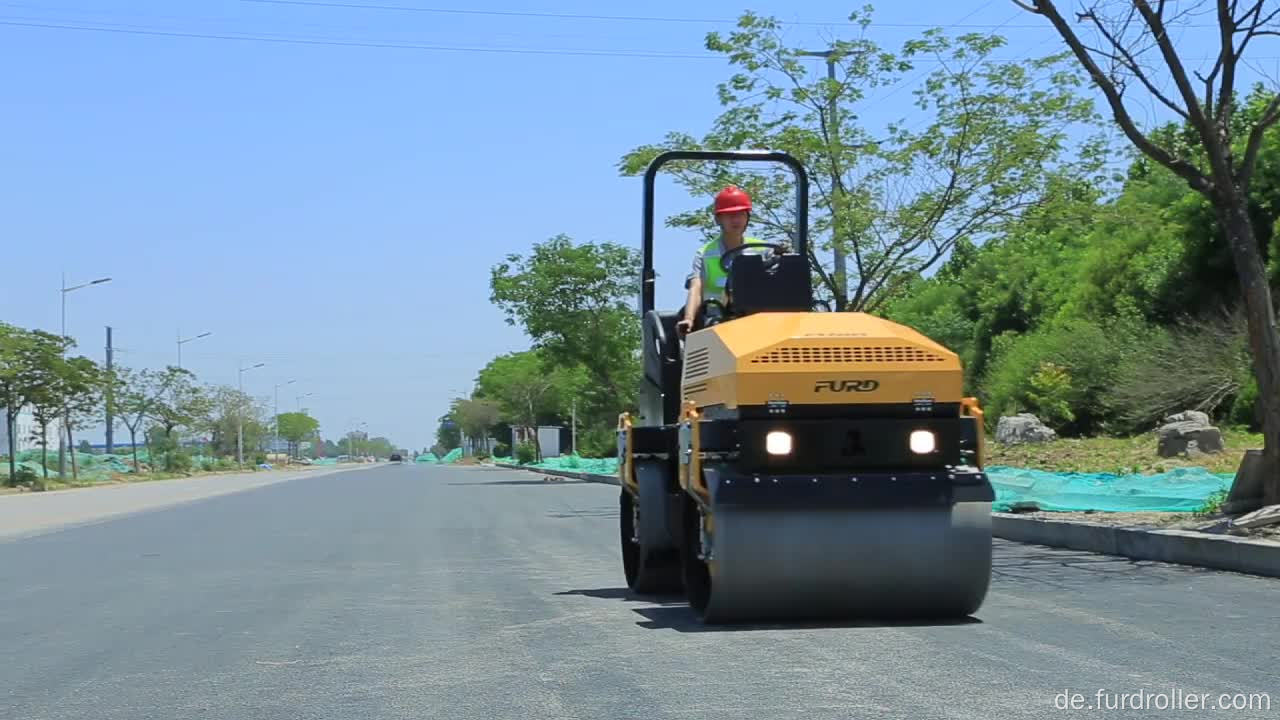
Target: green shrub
x=1063, y=371
x=259, y=459
x=502, y=450
x=224, y=464
x=23, y=476
x=1244, y=409
x=526, y=453
x=208, y=465
x=177, y=461
x=597, y=442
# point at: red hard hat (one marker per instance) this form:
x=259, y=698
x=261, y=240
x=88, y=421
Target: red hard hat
x=732, y=199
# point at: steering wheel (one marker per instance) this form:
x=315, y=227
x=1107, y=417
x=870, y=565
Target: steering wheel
x=778, y=248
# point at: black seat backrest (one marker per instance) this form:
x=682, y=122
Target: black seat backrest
x=663, y=363
x=784, y=286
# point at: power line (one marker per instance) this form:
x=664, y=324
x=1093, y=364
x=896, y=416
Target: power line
x=354, y=43
x=622, y=18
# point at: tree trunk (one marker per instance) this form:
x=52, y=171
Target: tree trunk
x=71, y=448
x=1264, y=339
x=11, y=417
x=44, y=450
x=133, y=447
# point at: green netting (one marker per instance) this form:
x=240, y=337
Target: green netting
x=1181, y=490
x=427, y=459
x=324, y=461
x=88, y=465
x=574, y=463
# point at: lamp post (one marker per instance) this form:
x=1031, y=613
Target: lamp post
x=182, y=341
x=831, y=55
x=65, y=426
x=298, y=400
x=240, y=416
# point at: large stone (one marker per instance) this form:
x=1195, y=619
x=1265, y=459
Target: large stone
x=1189, y=416
x=1023, y=428
x=1187, y=438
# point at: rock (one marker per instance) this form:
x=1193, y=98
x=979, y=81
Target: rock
x=1188, y=437
x=1189, y=416
x=1023, y=428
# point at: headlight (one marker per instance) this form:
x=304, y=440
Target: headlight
x=778, y=443
x=923, y=442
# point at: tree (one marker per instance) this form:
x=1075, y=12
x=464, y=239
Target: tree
x=82, y=390
x=229, y=408
x=185, y=404
x=41, y=380
x=1218, y=162
x=15, y=381
x=475, y=417
x=296, y=427
x=526, y=387
x=448, y=434
x=140, y=396
x=575, y=302
x=986, y=143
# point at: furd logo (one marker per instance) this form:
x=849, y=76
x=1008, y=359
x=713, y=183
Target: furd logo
x=844, y=386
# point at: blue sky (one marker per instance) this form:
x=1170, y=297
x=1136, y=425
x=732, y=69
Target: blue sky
x=334, y=211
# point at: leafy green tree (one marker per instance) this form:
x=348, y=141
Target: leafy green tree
x=475, y=416
x=985, y=143
x=185, y=404
x=22, y=354
x=1216, y=157
x=576, y=302
x=448, y=435
x=528, y=387
x=296, y=427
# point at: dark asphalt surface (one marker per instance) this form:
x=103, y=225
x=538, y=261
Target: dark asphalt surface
x=426, y=592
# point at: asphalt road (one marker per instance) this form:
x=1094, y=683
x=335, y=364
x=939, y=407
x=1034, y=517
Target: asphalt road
x=426, y=592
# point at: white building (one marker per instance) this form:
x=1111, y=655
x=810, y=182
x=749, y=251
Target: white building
x=27, y=435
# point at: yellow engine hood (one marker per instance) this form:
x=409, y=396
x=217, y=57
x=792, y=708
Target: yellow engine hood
x=817, y=358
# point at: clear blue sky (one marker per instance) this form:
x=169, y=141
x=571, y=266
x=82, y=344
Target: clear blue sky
x=334, y=210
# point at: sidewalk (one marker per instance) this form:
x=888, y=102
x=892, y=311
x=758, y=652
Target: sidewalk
x=27, y=514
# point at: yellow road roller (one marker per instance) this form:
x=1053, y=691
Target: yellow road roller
x=786, y=463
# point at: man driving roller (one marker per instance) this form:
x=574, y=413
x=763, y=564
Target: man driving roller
x=707, y=281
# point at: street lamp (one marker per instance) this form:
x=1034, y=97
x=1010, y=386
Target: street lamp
x=838, y=253
x=240, y=416
x=298, y=400
x=181, y=341
x=63, y=431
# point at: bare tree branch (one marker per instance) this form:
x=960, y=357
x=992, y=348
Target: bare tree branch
x=1183, y=169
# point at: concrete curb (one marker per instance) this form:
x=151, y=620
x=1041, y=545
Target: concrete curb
x=1180, y=547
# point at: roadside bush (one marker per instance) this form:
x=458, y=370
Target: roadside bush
x=502, y=450
x=23, y=476
x=177, y=461
x=224, y=464
x=1062, y=373
x=259, y=459
x=526, y=453
x=208, y=465
x=597, y=442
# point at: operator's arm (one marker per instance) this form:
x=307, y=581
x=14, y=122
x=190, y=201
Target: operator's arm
x=691, y=306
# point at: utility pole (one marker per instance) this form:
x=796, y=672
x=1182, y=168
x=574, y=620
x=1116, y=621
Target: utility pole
x=833, y=133
x=574, y=427
x=109, y=398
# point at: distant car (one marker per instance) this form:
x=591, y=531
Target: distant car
x=395, y=457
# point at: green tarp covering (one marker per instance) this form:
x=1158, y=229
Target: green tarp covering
x=1181, y=490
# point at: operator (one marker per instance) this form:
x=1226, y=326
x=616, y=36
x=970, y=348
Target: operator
x=707, y=281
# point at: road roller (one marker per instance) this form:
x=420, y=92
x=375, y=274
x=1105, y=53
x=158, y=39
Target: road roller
x=784, y=462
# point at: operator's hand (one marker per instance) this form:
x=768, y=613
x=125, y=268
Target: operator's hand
x=683, y=327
